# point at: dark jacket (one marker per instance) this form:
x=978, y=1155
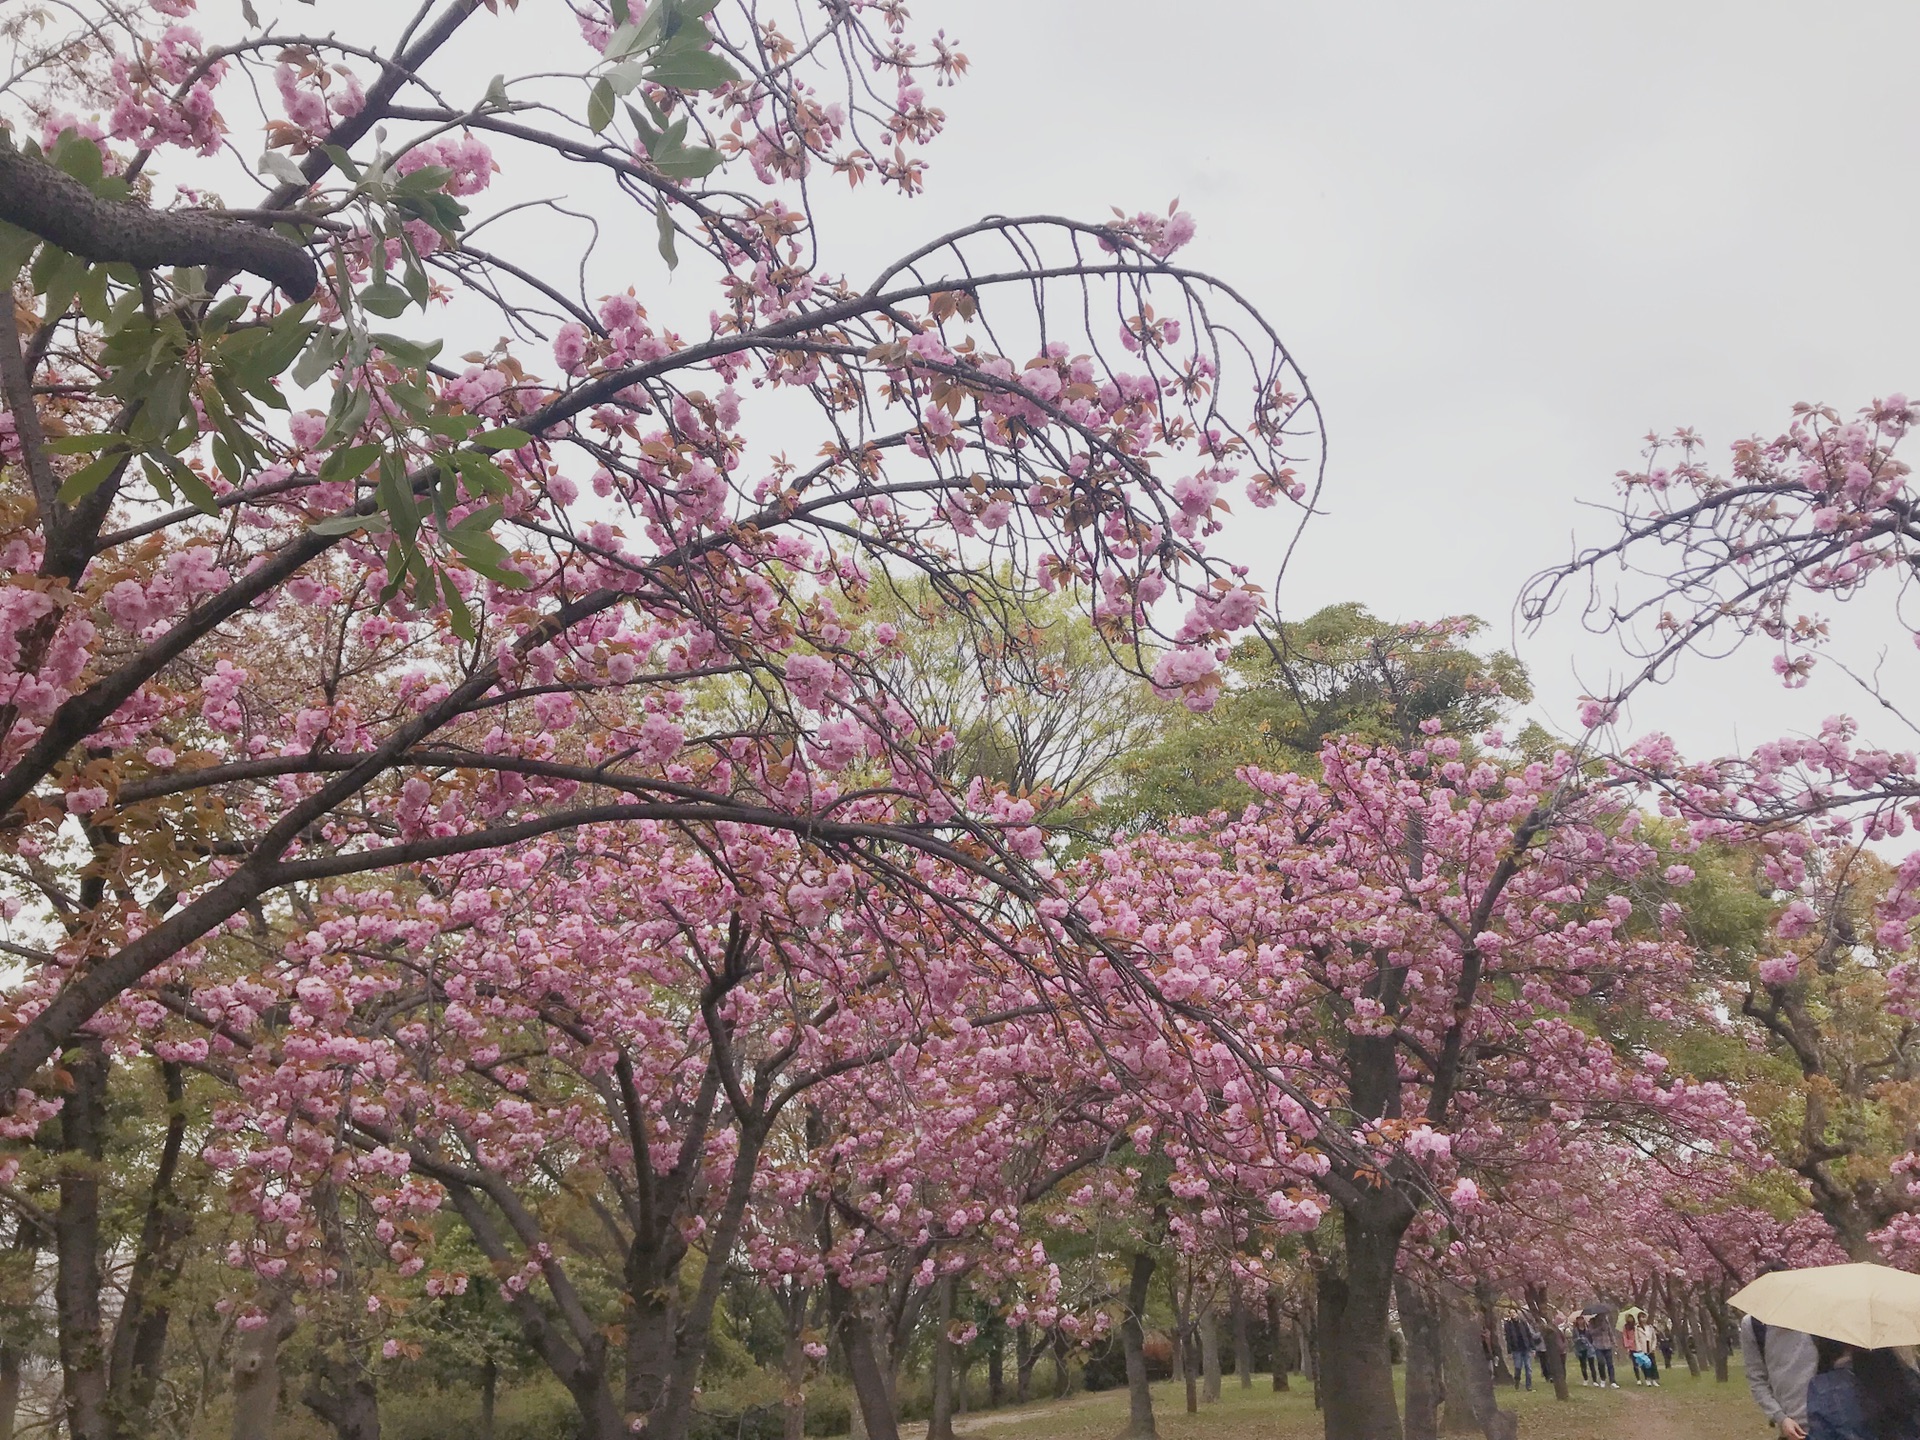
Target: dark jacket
x=1834, y=1410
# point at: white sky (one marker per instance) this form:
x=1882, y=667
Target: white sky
x=1503, y=240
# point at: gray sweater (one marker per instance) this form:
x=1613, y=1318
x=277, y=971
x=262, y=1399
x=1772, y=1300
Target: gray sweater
x=1779, y=1377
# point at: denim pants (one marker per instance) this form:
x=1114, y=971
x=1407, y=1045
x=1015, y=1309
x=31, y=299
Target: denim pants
x=1603, y=1366
x=1522, y=1362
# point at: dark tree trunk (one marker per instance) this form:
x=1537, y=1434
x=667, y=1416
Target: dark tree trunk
x=1462, y=1328
x=1242, y=1340
x=1024, y=1356
x=256, y=1373
x=872, y=1394
x=1209, y=1354
x=1355, y=1369
x=1063, y=1378
x=1426, y=1389
x=1277, y=1322
x=340, y=1391
x=1133, y=1341
x=83, y=1367
x=9, y=1389
x=940, y=1423
x=489, y=1394
x=793, y=1394
x=996, y=1333
x=140, y=1333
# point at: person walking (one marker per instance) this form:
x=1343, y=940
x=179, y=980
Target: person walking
x=1637, y=1336
x=1520, y=1342
x=1583, y=1349
x=1780, y=1364
x=1605, y=1340
x=1858, y=1394
x=1666, y=1346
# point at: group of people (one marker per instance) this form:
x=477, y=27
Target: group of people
x=1813, y=1388
x=1593, y=1337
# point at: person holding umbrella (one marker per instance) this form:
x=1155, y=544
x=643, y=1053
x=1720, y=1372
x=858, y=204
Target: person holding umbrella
x=1852, y=1316
x=1779, y=1362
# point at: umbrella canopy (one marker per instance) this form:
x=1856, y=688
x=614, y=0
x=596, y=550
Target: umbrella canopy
x=1871, y=1306
x=1632, y=1312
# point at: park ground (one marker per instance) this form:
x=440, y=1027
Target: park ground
x=1683, y=1408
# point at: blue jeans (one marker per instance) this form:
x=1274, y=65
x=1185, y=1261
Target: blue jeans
x=1522, y=1363
x=1603, y=1365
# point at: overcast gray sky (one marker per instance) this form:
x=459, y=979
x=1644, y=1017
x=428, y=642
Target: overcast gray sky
x=1504, y=240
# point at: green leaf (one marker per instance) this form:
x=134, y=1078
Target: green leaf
x=64, y=281
x=622, y=15
x=321, y=356
x=408, y=352
x=222, y=315
x=663, y=222
x=347, y=413
x=458, y=615
x=347, y=523
x=199, y=494
x=79, y=158
x=89, y=477
x=600, y=106
x=496, y=92
x=276, y=166
x=424, y=180
x=692, y=70
x=344, y=162
x=690, y=163
x=16, y=248
x=507, y=437
x=348, y=464
x=385, y=300
x=395, y=497
x=81, y=444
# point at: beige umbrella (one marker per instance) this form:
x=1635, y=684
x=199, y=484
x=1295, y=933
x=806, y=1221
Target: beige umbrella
x=1870, y=1306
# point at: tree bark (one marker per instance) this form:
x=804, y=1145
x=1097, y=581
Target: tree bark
x=996, y=1337
x=340, y=1391
x=489, y=1394
x=1024, y=1357
x=1209, y=1353
x=1277, y=1322
x=83, y=1122
x=256, y=1373
x=1355, y=1363
x=793, y=1367
x=37, y=197
x=1426, y=1389
x=1462, y=1328
x=1133, y=1341
x=873, y=1395
x=9, y=1389
x=140, y=1333
x=1242, y=1340
x=940, y=1422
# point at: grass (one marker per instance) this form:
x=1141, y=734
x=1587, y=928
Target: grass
x=1683, y=1408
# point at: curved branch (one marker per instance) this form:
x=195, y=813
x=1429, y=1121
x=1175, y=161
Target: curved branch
x=60, y=210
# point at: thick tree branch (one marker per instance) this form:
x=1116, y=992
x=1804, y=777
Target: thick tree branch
x=60, y=210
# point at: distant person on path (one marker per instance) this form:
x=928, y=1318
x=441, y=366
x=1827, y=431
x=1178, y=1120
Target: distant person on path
x=1583, y=1349
x=1666, y=1346
x=1637, y=1336
x=1779, y=1363
x=1605, y=1341
x=1861, y=1395
x=1521, y=1341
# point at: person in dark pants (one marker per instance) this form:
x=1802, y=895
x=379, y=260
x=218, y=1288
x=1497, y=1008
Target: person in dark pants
x=1520, y=1341
x=1583, y=1349
x=1605, y=1341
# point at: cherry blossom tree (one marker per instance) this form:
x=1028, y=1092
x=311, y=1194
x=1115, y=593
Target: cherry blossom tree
x=1408, y=942
x=289, y=599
